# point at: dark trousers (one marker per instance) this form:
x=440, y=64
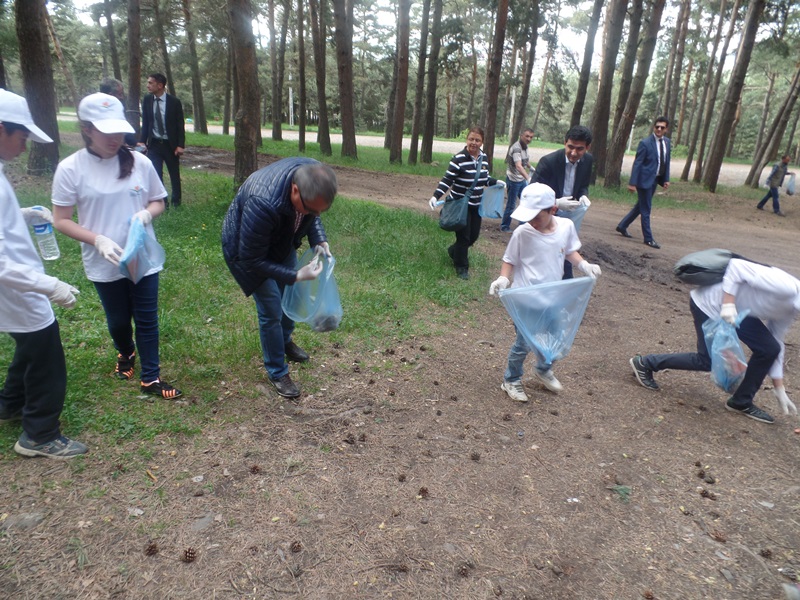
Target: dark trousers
x=771, y=193
x=161, y=154
x=124, y=300
x=643, y=207
x=465, y=238
x=36, y=382
x=755, y=336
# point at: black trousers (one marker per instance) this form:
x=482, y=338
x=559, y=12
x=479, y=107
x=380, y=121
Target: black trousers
x=459, y=251
x=160, y=154
x=36, y=382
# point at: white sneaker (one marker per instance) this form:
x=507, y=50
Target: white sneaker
x=515, y=390
x=549, y=380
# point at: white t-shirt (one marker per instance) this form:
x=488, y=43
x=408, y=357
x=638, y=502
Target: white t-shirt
x=539, y=257
x=769, y=293
x=106, y=203
x=21, y=310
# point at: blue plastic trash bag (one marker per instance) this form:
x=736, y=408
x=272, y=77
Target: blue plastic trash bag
x=728, y=362
x=317, y=301
x=576, y=216
x=548, y=314
x=142, y=253
x=790, y=185
x=492, y=202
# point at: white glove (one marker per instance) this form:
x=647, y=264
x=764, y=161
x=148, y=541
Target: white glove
x=567, y=203
x=63, y=294
x=145, y=216
x=728, y=313
x=432, y=202
x=310, y=271
x=35, y=214
x=108, y=249
x=501, y=183
x=787, y=405
x=322, y=249
x=584, y=200
x=498, y=284
x=590, y=269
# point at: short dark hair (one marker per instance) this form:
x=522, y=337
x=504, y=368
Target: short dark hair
x=12, y=127
x=112, y=87
x=477, y=129
x=159, y=77
x=527, y=129
x=579, y=133
x=661, y=119
x=314, y=180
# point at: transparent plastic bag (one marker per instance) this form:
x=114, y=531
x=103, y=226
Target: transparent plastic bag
x=790, y=186
x=576, y=215
x=492, y=202
x=315, y=302
x=548, y=314
x=728, y=362
x=142, y=253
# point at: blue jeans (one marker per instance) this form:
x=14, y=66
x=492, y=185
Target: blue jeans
x=771, y=193
x=124, y=300
x=36, y=382
x=516, y=357
x=755, y=336
x=643, y=207
x=274, y=327
x=514, y=189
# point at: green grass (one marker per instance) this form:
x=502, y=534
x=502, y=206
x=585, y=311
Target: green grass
x=392, y=270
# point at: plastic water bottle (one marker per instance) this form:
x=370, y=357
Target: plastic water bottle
x=46, y=239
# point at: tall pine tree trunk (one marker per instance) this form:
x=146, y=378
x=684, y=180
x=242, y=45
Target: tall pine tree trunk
x=426, y=151
x=403, y=31
x=628, y=61
x=112, y=39
x=522, y=105
x=418, y=107
x=586, y=67
x=198, y=106
x=318, y=37
x=134, y=64
x=343, y=34
x=301, y=75
x=493, y=80
x=162, y=44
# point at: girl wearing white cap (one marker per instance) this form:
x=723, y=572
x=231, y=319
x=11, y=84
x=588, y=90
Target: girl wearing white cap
x=110, y=186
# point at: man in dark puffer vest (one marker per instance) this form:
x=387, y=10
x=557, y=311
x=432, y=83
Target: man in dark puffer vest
x=273, y=211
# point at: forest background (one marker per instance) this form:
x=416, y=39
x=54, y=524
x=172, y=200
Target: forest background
x=727, y=73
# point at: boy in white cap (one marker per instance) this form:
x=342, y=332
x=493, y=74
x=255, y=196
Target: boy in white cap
x=535, y=254
x=36, y=382
x=110, y=186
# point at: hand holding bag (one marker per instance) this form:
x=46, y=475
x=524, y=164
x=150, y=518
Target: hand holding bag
x=454, y=212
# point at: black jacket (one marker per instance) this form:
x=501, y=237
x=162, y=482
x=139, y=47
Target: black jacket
x=550, y=171
x=258, y=231
x=173, y=121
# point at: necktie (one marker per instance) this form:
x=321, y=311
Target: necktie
x=662, y=167
x=159, y=119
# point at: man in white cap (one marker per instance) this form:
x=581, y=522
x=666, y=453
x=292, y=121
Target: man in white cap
x=36, y=382
x=535, y=254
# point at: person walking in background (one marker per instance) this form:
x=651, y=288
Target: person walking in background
x=650, y=168
x=568, y=172
x=110, y=186
x=468, y=169
x=772, y=298
x=273, y=211
x=517, y=174
x=36, y=381
x=536, y=254
x=163, y=132
x=774, y=181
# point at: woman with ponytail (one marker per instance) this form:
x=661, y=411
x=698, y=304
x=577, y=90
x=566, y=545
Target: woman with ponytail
x=110, y=186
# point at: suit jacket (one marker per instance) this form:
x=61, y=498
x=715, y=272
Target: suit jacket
x=173, y=121
x=645, y=165
x=551, y=168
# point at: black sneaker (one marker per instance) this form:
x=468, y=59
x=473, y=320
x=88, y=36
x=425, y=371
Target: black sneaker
x=295, y=353
x=643, y=374
x=286, y=387
x=751, y=411
x=160, y=388
x=124, y=368
x=463, y=273
x=60, y=448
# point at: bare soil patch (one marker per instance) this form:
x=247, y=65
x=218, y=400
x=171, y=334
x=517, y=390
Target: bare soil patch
x=412, y=475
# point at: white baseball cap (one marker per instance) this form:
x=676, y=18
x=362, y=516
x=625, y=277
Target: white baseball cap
x=14, y=109
x=105, y=112
x=535, y=198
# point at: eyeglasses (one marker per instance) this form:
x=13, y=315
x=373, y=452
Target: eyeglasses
x=310, y=211
x=660, y=127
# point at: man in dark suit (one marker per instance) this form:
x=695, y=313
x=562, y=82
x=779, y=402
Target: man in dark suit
x=650, y=168
x=163, y=132
x=568, y=172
